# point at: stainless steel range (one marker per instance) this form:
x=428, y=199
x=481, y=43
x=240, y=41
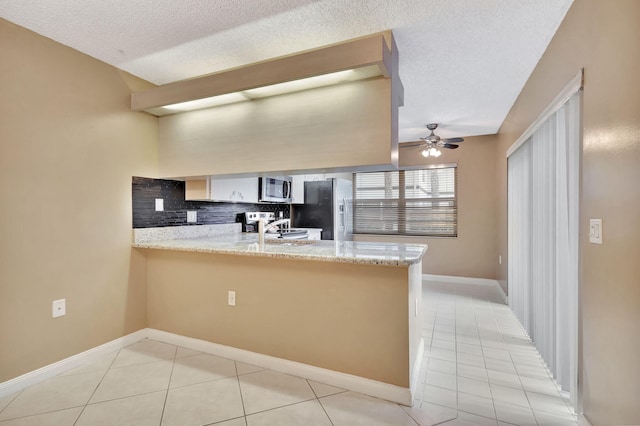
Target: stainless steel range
x=250, y=222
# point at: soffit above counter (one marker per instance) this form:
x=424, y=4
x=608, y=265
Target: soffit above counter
x=369, y=57
x=349, y=125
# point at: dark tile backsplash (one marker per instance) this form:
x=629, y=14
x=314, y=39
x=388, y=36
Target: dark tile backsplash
x=146, y=190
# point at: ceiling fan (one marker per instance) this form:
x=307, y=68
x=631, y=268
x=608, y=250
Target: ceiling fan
x=431, y=143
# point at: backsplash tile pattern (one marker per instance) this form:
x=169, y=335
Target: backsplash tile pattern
x=146, y=190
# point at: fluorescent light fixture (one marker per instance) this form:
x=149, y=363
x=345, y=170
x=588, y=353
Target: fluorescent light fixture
x=271, y=90
x=299, y=85
x=314, y=82
x=229, y=98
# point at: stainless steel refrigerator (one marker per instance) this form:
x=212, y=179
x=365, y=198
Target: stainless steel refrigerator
x=327, y=205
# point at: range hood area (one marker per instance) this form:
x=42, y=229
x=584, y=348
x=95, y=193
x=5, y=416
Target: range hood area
x=333, y=108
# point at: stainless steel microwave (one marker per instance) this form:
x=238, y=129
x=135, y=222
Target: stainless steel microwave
x=276, y=189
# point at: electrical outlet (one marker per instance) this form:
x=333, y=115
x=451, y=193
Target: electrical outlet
x=232, y=298
x=59, y=308
x=159, y=204
x=192, y=216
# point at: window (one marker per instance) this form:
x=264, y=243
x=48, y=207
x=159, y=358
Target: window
x=406, y=202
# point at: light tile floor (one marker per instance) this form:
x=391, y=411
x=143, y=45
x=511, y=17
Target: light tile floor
x=479, y=369
x=479, y=361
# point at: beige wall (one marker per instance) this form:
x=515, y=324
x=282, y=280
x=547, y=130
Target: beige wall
x=68, y=148
x=343, y=317
x=602, y=37
x=473, y=253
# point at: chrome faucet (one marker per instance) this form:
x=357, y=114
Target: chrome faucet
x=262, y=228
x=279, y=222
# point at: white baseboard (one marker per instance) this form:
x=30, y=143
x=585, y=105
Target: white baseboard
x=48, y=371
x=461, y=280
x=468, y=280
x=370, y=387
x=502, y=294
x=583, y=421
x=334, y=378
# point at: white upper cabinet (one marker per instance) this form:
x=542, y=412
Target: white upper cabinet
x=236, y=190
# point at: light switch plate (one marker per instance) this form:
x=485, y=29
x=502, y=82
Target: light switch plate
x=192, y=216
x=159, y=204
x=595, y=231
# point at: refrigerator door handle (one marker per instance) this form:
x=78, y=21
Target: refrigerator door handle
x=348, y=224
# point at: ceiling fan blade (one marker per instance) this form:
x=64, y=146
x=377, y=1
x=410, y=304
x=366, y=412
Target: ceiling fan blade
x=453, y=140
x=410, y=144
x=450, y=146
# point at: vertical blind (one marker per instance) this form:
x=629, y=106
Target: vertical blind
x=543, y=198
x=406, y=202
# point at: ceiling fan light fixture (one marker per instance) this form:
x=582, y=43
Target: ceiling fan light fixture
x=431, y=152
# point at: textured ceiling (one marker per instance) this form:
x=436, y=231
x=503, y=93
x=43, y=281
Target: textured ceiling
x=462, y=62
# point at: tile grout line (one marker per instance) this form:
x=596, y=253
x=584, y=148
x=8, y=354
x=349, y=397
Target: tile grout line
x=407, y=414
x=39, y=414
x=282, y=406
x=455, y=340
x=320, y=402
x=12, y=399
x=475, y=320
x=166, y=396
x=194, y=383
x=142, y=363
x=493, y=399
x=96, y=388
x=244, y=410
x=500, y=330
x=482, y=347
x=228, y=420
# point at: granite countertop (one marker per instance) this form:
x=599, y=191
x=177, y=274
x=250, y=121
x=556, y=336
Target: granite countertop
x=246, y=244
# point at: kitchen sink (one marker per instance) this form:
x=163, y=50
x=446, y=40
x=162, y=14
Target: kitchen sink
x=288, y=242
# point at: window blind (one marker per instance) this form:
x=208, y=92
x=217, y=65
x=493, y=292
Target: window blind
x=543, y=217
x=406, y=202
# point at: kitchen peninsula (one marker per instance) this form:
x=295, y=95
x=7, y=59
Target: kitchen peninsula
x=340, y=306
